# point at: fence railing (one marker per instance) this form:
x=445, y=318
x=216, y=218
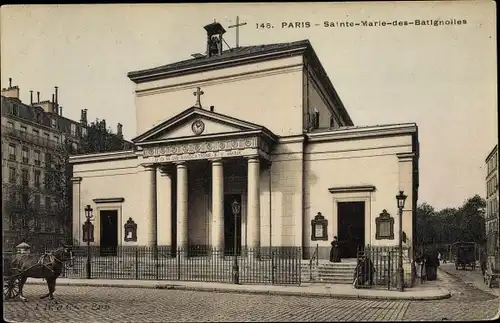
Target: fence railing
x=256, y=266
x=377, y=267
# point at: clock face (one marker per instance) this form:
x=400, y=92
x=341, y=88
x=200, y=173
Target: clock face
x=198, y=126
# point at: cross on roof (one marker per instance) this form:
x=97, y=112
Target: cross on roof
x=198, y=94
x=237, y=30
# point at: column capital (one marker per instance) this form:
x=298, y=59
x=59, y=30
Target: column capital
x=180, y=164
x=253, y=158
x=149, y=167
x=76, y=179
x=215, y=161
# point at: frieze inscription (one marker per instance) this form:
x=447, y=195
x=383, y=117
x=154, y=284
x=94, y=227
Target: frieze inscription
x=202, y=148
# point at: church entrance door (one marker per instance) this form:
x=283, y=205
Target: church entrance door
x=351, y=228
x=109, y=232
x=232, y=226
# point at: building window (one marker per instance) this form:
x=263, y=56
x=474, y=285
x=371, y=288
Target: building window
x=12, y=152
x=53, y=123
x=25, y=177
x=25, y=155
x=36, y=156
x=56, y=138
x=15, y=110
x=10, y=125
x=37, y=201
x=48, y=159
x=384, y=226
x=37, y=178
x=47, y=203
x=12, y=175
x=36, y=132
x=73, y=130
x=46, y=135
x=84, y=132
x=39, y=117
x=24, y=129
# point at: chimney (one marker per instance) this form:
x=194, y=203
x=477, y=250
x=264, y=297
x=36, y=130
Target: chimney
x=11, y=91
x=60, y=110
x=56, y=96
x=103, y=124
x=37, y=96
x=83, y=118
x=119, y=130
x=31, y=97
x=214, y=39
x=212, y=108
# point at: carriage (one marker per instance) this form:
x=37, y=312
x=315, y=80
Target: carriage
x=466, y=255
x=11, y=279
x=492, y=267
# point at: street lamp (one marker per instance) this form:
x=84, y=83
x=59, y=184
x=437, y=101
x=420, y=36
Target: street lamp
x=401, y=204
x=236, y=270
x=89, y=215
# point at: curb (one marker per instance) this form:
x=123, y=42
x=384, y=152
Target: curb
x=257, y=292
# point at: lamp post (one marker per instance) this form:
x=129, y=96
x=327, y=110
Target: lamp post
x=88, y=225
x=401, y=197
x=236, y=270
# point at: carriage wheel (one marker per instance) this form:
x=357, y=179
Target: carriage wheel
x=11, y=288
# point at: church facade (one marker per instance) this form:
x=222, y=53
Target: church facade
x=268, y=131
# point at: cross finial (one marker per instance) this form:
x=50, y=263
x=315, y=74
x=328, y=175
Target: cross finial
x=198, y=94
x=237, y=30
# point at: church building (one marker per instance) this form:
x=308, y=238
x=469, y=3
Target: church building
x=261, y=126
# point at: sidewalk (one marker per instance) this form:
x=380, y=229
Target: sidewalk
x=426, y=291
x=470, y=277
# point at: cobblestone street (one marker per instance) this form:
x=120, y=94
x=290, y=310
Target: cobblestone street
x=97, y=304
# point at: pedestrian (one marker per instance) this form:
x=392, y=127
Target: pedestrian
x=334, y=251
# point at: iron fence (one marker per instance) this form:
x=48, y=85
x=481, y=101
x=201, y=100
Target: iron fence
x=279, y=266
x=377, y=267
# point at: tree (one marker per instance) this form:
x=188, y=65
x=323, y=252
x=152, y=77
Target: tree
x=451, y=225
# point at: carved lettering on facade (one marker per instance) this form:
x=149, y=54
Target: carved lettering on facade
x=207, y=149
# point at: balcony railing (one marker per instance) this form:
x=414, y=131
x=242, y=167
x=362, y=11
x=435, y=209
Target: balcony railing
x=37, y=140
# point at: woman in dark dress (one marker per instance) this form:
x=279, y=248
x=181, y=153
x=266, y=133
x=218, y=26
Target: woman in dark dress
x=334, y=252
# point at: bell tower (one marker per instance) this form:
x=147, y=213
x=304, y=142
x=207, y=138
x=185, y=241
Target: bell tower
x=214, y=39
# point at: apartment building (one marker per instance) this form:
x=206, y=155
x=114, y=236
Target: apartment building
x=36, y=141
x=492, y=215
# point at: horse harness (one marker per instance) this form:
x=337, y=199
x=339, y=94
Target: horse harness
x=41, y=261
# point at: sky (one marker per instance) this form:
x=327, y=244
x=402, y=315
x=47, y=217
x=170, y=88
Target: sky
x=441, y=77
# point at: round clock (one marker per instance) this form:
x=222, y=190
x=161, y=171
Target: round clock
x=198, y=126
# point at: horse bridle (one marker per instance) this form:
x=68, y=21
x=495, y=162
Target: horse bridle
x=71, y=259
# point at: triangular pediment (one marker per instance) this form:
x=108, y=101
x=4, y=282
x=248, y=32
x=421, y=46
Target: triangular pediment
x=196, y=122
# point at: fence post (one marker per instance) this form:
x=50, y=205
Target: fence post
x=136, y=263
x=156, y=261
x=272, y=267
x=179, y=264
x=389, y=269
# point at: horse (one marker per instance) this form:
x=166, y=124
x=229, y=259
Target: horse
x=48, y=266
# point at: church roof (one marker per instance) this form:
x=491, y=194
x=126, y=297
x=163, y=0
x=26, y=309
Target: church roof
x=230, y=54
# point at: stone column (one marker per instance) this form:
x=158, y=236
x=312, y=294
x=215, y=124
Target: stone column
x=182, y=207
x=77, y=214
x=253, y=205
x=217, y=205
x=152, y=207
x=165, y=218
